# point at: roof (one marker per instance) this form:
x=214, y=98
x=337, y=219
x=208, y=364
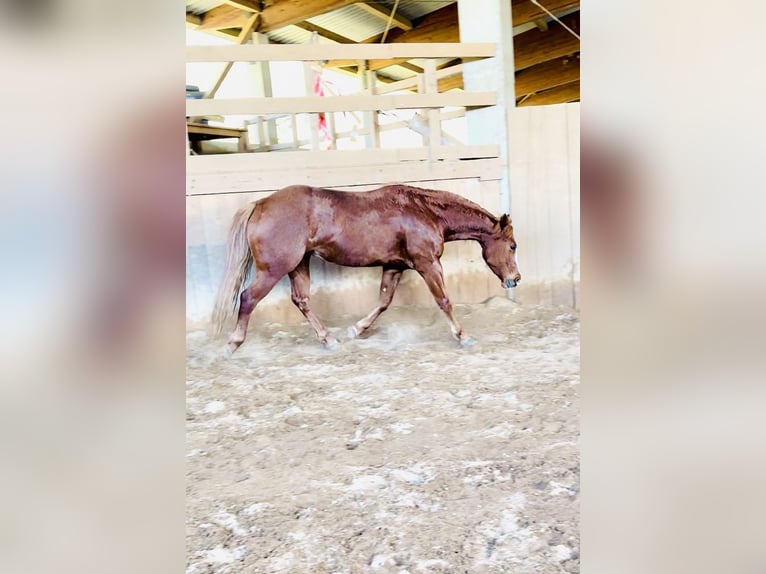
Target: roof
x=546, y=53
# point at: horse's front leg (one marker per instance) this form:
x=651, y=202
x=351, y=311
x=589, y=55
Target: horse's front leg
x=388, y=284
x=300, y=284
x=433, y=275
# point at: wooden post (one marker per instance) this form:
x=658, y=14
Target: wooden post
x=308, y=78
x=434, y=119
x=331, y=128
x=369, y=119
x=294, y=126
x=264, y=89
x=371, y=125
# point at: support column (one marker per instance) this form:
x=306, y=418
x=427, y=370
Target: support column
x=490, y=21
x=367, y=80
x=261, y=76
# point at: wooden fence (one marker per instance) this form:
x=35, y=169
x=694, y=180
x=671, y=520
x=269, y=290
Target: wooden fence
x=440, y=157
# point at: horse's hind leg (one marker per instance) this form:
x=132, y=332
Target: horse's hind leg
x=388, y=284
x=300, y=284
x=433, y=275
x=250, y=297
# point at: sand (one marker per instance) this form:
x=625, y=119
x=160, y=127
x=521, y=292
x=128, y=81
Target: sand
x=400, y=452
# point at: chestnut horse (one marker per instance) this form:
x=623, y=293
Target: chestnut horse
x=396, y=227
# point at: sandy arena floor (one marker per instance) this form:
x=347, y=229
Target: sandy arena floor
x=400, y=452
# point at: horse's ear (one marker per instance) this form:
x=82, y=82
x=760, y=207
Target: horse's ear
x=505, y=221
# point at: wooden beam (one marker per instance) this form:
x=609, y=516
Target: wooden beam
x=267, y=180
x=547, y=75
x=312, y=52
x=317, y=104
x=193, y=21
x=535, y=47
x=222, y=17
x=247, y=5
x=438, y=26
x=324, y=32
x=451, y=83
x=384, y=14
x=558, y=95
x=410, y=83
x=244, y=36
x=286, y=12
x=352, y=158
x=523, y=11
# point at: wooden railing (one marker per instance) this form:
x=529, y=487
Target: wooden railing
x=420, y=92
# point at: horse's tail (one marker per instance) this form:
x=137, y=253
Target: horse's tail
x=239, y=261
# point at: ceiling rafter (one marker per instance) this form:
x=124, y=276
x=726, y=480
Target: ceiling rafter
x=547, y=75
x=246, y=5
x=324, y=32
x=558, y=95
x=542, y=73
x=384, y=14
x=535, y=46
x=223, y=16
x=523, y=11
x=284, y=13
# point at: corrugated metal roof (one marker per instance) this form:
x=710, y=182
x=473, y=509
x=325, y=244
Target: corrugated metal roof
x=290, y=35
x=414, y=9
x=201, y=6
x=352, y=22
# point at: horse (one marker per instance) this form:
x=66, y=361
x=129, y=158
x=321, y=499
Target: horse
x=396, y=227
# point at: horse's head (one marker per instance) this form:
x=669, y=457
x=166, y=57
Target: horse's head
x=499, y=251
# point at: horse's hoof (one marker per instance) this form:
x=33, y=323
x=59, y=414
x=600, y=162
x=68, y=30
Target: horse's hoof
x=467, y=341
x=227, y=351
x=330, y=343
x=353, y=333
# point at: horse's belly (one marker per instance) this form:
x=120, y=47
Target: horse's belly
x=355, y=256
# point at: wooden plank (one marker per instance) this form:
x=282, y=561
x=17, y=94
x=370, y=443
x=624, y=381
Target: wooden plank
x=214, y=131
x=547, y=75
x=246, y=5
x=370, y=119
x=451, y=83
x=316, y=104
x=313, y=52
x=225, y=163
x=308, y=82
x=193, y=20
x=384, y=14
x=410, y=83
x=284, y=13
x=524, y=11
x=223, y=17
x=558, y=95
x=438, y=26
x=434, y=121
x=240, y=182
x=535, y=47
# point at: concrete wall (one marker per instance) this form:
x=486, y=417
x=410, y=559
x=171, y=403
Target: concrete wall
x=545, y=201
x=544, y=176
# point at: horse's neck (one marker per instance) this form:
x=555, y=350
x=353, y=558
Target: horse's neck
x=467, y=222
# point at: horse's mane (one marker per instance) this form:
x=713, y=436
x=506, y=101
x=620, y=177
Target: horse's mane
x=446, y=205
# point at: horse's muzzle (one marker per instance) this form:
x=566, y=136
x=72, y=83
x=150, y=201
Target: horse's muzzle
x=511, y=282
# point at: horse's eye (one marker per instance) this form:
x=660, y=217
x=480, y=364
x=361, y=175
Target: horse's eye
x=513, y=248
